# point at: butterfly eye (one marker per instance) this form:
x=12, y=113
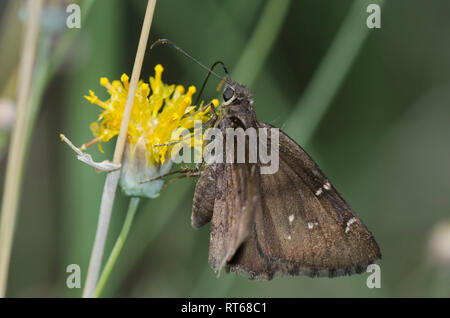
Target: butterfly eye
x=228, y=94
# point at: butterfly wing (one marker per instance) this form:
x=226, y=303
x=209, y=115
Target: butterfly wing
x=204, y=196
x=236, y=201
x=304, y=226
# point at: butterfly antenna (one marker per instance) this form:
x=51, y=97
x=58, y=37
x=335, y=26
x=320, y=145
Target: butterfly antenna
x=176, y=47
x=207, y=77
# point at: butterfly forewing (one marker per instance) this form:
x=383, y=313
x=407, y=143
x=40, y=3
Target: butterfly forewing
x=304, y=225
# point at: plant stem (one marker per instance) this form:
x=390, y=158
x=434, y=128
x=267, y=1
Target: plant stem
x=147, y=230
x=14, y=172
x=331, y=73
x=112, y=178
x=134, y=203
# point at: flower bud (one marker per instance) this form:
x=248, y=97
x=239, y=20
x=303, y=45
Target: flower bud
x=137, y=168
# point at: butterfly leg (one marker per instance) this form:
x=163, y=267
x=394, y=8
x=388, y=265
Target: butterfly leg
x=194, y=173
x=213, y=120
x=185, y=173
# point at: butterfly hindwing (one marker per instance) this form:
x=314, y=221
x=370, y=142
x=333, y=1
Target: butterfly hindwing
x=204, y=196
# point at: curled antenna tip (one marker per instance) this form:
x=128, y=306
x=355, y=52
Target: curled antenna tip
x=158, y=42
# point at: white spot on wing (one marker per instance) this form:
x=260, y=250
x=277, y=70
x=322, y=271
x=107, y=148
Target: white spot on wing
x=319, y=192
x=289, y=237
x=350, y=222
x=327, y=186
x=312, y=224
x=291, y=218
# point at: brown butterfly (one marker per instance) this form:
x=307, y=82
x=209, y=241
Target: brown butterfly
x=293, y=221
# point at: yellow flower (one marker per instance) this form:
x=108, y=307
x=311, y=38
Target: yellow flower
x=158, y=110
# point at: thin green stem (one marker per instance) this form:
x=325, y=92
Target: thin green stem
x=146, y=231
x=112, y=259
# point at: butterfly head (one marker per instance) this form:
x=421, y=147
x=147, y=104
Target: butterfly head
x=235, y=93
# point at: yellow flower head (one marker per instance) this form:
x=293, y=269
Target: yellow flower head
x=158, y=111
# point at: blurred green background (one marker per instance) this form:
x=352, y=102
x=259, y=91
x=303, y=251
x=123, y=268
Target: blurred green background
x=383, y=140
